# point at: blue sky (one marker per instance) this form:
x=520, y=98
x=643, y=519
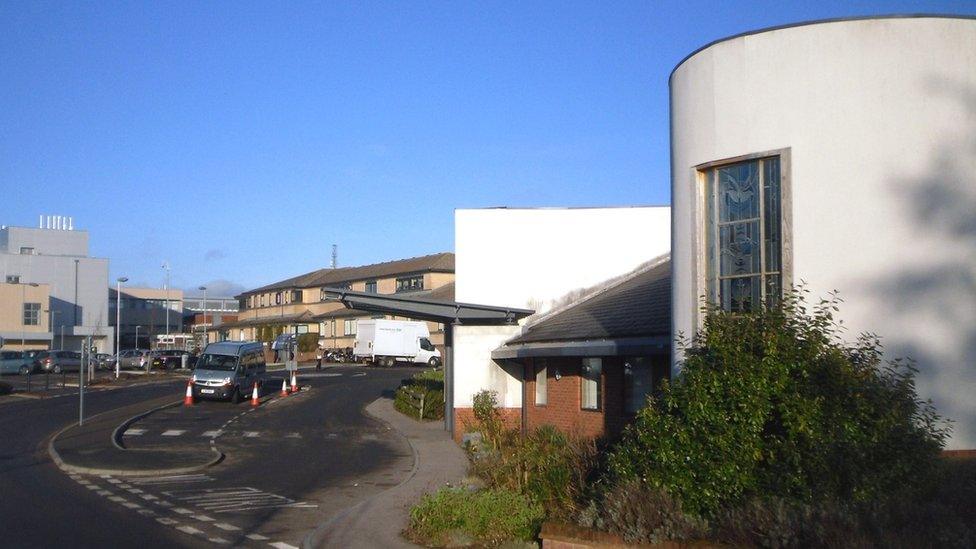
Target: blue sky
x=239, y=141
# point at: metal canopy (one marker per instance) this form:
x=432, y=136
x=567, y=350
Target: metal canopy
x=446, y=312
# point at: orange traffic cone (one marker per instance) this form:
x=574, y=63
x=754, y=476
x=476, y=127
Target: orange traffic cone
x=254, y=396
x=188, y=399
x=294, y=382
x=284, y=388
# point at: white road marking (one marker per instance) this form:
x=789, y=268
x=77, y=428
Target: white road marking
x=104, y=492
x=171, y=479
x=105, y=476
x=229, y=500
x=218, y=541
x=92, y=487
x=189, y=530
x=131, y=505
x=134, y=432
x=293, y=435
x=282, y=545
x=114, y=481
x=212, y=434
x=148, y=497
x=134, y=490
x=117, y=499
x=124, y=485
x=166, y=521
x=182, y=511
x=256, y=537
x=204, y=518
x=84, y=482
x=147, y=512
x=173, y=432
x=361, y=374
x=251, y=434
x=225, y=526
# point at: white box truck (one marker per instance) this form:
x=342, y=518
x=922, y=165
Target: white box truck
x=386, y=342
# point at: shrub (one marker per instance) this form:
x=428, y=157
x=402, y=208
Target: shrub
x=308, y=342
x=642, y=514
x=773, y=403
x=548, y=466
x=430, y=384
x=489, y=516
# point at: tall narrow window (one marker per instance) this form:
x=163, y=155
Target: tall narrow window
x=370, y=286
x=590, y=383
x=350, y=327
x=743, y=232
x=638, y=382
x=541, y=383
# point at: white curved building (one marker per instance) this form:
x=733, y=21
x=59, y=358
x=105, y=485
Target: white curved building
x=842, y=154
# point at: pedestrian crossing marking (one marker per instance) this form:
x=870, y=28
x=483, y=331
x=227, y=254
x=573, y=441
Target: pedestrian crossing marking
x=134, y=432
x=173, y=432
x=234, y=500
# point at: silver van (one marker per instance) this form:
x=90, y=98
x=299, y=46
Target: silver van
x=228, y=370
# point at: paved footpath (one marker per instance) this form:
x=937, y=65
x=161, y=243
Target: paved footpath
x=378, y=521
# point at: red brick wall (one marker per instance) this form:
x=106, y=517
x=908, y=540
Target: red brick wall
x=465, y=422
x=563, y=410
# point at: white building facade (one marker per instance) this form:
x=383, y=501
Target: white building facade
x=532, y=258
x=841, y=154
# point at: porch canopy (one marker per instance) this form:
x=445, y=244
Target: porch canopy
x=449, y=313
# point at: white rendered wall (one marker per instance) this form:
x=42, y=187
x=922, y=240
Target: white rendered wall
x=528, y=258
x=879, y=117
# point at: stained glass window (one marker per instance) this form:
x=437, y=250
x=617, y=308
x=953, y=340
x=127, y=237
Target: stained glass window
x=743, y=234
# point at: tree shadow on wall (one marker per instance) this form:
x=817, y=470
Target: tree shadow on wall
x=941, y=204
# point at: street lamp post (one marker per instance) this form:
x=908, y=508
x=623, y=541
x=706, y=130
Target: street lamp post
x=137, y=335
x=166, y=287
x=206, y=336
x=23, y=319
x=118, y=323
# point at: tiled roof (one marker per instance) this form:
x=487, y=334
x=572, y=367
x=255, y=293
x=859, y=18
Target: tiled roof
x=442, y=262
x=639, y=305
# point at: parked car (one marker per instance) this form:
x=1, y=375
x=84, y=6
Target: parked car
x=104, y=361
x=56, y=362
x=171, y=359
x=228, y=370
x=16, y=362
x=133, y=359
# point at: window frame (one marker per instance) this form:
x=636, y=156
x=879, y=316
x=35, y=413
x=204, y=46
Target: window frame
x=700, y=243
x=405, y=284
x=599, y=384
x=32, y=314
x=347, y=323
x=541, y=366
x=373, y=284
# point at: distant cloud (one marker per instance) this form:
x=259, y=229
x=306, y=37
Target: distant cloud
x=216, y=288
x=213, y=254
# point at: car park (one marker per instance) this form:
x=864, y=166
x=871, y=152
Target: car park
x=228, y=370
x=58, y=361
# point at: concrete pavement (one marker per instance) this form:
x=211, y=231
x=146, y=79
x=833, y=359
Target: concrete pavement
x=378, y=521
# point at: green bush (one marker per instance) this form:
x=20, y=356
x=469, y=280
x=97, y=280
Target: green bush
x=308, y=342
x=642, y=514
x=773, y=403
x=546, y=465
x=489, y=517
x=429, y=383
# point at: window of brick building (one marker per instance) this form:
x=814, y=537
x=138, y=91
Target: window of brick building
x=350, y=327
x=370, y=286
x=638, y=382
x=410, y=283
x=541, y=383
x=590, y=387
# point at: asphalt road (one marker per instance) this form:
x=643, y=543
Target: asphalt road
x=290, y=464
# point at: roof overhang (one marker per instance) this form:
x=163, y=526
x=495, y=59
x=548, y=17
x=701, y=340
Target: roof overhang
x=428, y=309
x=629, y=346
